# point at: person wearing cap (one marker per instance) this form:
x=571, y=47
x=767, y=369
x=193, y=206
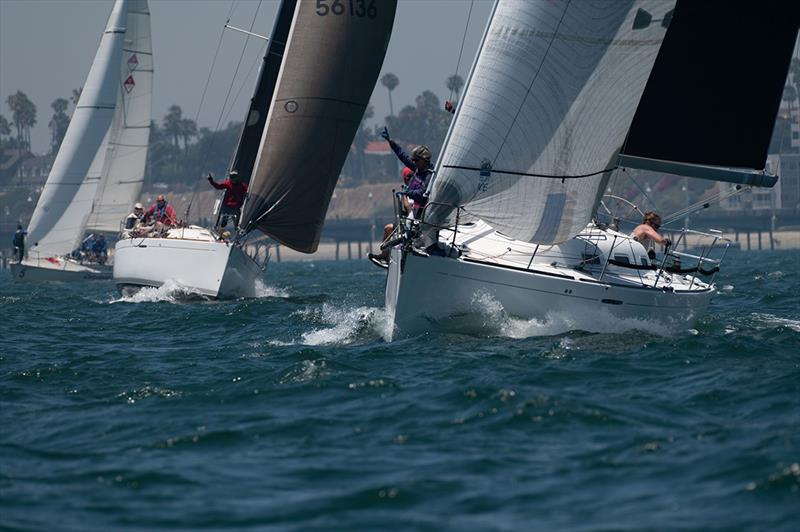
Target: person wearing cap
x=235, y=192
x=135, y=218
x=419, y=162
x=161, y=215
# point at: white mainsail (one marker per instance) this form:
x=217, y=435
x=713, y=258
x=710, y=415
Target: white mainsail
x=58, y=220
x=548, y=103
x=126, y=151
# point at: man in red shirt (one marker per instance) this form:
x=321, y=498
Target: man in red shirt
x=161, y=214
x=235, y=192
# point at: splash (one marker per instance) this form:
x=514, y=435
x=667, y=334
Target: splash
x=592, y=320
x=339, y=325
x=349, y=324
x=170, y=292
x=263, y=290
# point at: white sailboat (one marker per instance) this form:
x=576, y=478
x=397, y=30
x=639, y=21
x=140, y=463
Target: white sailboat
x=315, y=82
x=549, y=111
x=99, y=169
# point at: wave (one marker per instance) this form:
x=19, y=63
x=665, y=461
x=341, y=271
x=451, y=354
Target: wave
x=339, y=325
x=498, y=321
x=170, y=292
x=775, y=321
x=263, y=290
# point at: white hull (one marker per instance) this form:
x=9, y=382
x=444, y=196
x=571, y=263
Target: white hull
x=61, y=270
x=422, y=289
x=214, y=269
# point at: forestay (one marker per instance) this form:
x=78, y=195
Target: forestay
x=57, y=224
x=125, y=153
x=552, y=93
x=334, y=54
x=253, y=128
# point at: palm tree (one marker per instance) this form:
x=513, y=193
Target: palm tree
x=5, y=130
x=188, y=129
x=390, y=81
x=58, y=123
x=455, y=83
x=173, y=124
x=23, y=112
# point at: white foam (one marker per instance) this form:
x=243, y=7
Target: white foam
x=348, y=325
x=263, y=290
x=558, y=322
x=771, y=320
x=170, y=292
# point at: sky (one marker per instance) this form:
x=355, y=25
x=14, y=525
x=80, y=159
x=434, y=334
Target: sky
x=47, y=47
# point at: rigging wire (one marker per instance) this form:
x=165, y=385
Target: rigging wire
x=463, y=40
x=210, y=147
x=704, y=204
x=530, y=87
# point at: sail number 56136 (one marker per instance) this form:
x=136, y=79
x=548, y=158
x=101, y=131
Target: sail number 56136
x=357, y=8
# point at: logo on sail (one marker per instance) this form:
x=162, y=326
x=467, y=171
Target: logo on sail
x=133, y=63
x=129, y=84
x=485, y=174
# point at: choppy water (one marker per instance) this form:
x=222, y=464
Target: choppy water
x=289, y=412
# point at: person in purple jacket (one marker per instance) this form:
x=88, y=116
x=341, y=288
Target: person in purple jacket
x=419, y=162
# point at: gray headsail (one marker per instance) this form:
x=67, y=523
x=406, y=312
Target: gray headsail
x=250, y=139
x=710, y=104
x=334, y=54
x=548, y=103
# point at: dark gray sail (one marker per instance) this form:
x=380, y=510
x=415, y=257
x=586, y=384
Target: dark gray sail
x=714, y=92
x=334, y=55
x=250, y=139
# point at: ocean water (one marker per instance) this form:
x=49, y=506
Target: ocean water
x=289, y=412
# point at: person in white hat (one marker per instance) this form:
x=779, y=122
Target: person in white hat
x=135, y=219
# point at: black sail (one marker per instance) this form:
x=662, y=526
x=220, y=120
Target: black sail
x=713, y=95
x=333, y=57
x=250, y=138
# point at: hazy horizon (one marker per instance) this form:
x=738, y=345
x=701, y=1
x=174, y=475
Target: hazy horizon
x=47, y=48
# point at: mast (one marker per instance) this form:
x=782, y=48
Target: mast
x=247, y=148
x=333, y=57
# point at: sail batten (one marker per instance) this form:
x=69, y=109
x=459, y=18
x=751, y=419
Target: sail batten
x=250, y=138
x=551, y=95
x=328, y=73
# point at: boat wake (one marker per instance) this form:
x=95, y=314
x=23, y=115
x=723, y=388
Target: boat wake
x=332, y=325
x=263, y=290
x=170, y=292
x=491, y=317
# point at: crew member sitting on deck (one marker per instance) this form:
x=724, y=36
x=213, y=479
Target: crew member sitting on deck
x=235, y=192
x=135, y=219
x=161, y=215
x=419, y=163
x=100, y=249
x=647, y=235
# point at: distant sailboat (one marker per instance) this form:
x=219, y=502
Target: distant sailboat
x=99, y=169
x=316, y=80
x=549, y=111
